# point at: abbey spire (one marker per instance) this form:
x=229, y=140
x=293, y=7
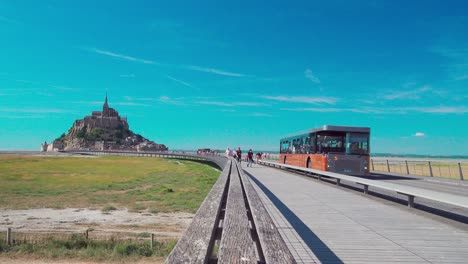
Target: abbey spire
x=106, y=106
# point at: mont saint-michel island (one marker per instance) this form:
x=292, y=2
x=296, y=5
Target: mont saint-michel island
x=102, y=130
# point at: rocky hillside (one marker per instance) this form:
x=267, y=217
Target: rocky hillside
x=104, y=130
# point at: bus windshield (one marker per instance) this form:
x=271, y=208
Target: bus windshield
x=357, y=143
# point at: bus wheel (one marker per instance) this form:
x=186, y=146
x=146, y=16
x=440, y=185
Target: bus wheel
x=284, y=160
x=308, y=163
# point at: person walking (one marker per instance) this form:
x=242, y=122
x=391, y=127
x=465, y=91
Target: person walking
x=250, y=158
x=239, y=155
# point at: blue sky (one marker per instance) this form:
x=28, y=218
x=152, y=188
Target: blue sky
x=194, y=74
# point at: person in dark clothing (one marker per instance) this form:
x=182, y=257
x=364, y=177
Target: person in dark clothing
x=250, y=158
x=239, y=155
x=259, y=156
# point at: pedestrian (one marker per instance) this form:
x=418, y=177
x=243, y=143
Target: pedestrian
x=250, y=158
x=239, y=154
x=228, y=152
x=259, y=156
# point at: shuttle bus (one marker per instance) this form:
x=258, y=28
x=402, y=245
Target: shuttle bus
x=340, y=149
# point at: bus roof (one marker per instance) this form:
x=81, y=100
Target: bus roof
x=331, y=128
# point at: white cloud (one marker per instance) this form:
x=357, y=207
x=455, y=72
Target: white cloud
x=24, y=117
x=385, y=110
x=302, y=99
x=35, y=110
x=151, y=62
x=419, y=134
x=215, y=71
x=179, y=81
x=123, y=57
x=220, y=103
x=412, y=94
x=167, y=100
x=440, y=109
x=129, y=104
x=332, y=110
x=310, y=75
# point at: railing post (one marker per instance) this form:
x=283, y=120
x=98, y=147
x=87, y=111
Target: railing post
x=407, y=168
x=372, y=163
x=388, y=167
x=430, y=169
x=8, y=236
x=87, y=234
x=152, y=241
x=460, y=170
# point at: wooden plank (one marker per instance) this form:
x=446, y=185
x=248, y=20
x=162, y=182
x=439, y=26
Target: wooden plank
x=236, y=244
x=354, y=228
x=194, y=245
x=274, y=248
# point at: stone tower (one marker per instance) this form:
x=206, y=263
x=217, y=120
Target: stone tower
x=105, y=108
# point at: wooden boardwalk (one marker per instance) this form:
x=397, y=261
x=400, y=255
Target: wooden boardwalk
x=323, y=223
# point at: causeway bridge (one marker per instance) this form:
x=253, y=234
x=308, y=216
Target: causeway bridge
x=277, y=213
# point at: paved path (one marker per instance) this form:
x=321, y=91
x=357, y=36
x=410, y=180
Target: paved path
x=327, y=224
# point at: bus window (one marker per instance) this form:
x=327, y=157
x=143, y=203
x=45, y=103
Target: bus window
x=357, y=143
x=330, y=143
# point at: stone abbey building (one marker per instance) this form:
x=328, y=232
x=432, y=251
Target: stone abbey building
x=102, y=130
x=108, y=119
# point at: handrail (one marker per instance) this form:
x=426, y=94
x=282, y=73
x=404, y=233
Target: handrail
x=409, y=191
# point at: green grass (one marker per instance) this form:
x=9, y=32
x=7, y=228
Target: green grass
x=156, y=184
x=78, y=247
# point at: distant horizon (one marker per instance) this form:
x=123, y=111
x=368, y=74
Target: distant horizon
x=277, y=152
x=195, y=74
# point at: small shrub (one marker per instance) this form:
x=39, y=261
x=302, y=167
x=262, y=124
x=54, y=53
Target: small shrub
x=125, y=249
x=144, y=234
x=109, y=208
x=145, y=251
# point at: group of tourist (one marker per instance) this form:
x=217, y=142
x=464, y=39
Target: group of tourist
x=237, y=154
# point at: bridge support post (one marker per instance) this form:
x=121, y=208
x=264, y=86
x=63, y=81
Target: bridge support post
x=338, y=181
x=8, y=236
x=372, y=163
x=388, y=166
x=430, y=169
x=407, y=168
x=410, y=201
x=460, y=170
x=366, y=189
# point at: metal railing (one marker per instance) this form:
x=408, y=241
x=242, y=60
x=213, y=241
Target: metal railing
x=453, y=170
x=409, y=191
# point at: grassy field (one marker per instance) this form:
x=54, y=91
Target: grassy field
x=158, y=185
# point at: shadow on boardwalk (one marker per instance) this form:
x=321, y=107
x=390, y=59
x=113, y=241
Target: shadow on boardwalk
x=321, y=251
